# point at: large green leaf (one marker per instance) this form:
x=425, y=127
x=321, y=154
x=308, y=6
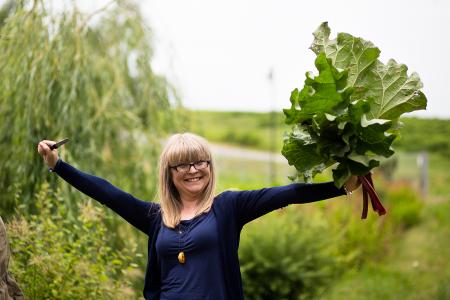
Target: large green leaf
x=388, y=88
x=320, y=95
x=347, y=115
x=299, y=149
x=390, y=91
x=319, y=107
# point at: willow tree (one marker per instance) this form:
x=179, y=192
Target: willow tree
x=64, y=75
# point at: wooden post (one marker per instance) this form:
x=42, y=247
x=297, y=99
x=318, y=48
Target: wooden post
x=422, y=162
x=273, y=129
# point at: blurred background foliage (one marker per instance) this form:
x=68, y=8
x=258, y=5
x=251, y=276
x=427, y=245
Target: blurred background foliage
x=58, y=256
x=93, y=83
x=89, y=78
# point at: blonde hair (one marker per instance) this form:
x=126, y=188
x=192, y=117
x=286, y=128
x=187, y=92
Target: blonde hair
x=182, y=148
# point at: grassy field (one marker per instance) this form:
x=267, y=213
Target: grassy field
x=416, y=267
x=247, y=129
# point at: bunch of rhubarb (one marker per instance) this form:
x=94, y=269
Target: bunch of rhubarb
x=347, y=116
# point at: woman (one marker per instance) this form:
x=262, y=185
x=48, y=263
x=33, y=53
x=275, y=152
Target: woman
x=193, y=234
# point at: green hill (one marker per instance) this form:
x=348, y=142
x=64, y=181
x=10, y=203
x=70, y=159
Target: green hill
x=254, y=130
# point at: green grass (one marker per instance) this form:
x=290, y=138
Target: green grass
x=416, y=267
x=246, y=129
x=243, y=174
x=438, y=173
x=439, y=177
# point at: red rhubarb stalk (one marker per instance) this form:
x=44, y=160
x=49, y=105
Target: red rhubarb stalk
x=365, y=204
x=369, y=191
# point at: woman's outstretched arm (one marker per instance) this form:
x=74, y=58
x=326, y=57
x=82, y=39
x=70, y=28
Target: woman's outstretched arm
x=253, y=204
x=136, y=212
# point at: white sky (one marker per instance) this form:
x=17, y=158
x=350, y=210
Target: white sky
x=218, y=53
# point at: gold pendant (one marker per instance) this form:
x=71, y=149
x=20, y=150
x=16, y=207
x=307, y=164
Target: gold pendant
x=181, y=257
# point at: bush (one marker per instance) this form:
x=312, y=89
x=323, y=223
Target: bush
x=443, y=291
x=425, y=135
x=242, y=139
x=56, y=255
x=286, y=256
x=296, y=253
x=405, y=206
x=357, y=241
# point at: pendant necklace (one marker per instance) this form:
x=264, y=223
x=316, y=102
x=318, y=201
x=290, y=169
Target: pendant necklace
x=181, y=255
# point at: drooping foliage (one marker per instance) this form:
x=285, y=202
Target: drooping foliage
x=87, y=78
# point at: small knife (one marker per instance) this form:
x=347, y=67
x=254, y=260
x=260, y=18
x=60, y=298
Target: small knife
x=60, y=143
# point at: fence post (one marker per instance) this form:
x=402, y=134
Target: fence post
x=273, y=128
x=422, y=161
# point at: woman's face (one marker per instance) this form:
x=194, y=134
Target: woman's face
x=192, y=182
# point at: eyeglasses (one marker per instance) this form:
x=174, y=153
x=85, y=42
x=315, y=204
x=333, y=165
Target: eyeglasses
x=198, y=165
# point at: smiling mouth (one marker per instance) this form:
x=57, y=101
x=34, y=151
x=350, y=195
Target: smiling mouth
x=193, y=179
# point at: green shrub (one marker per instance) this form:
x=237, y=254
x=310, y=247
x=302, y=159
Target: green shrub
x=242, y=139
x=286, y=255
x=56, y=255
x=443, y=290
x=366, y=241
x=372, y=283
x=357, y=241
x=425, y=135
x=405, y=206
x=298, y=252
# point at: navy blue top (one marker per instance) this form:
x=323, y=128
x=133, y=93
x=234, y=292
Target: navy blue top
x=231, y=210
x=201, y=276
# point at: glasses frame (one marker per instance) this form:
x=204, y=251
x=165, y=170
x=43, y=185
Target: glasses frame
x=208, y=162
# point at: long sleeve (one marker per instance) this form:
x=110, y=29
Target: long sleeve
x=136, y=212
x=253, y=204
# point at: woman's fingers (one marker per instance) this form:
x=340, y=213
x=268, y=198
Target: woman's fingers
x=48, y=143
x=44, y=145
x=50, y=156
x=43, y=148
x=39, y=149
x=352, y=184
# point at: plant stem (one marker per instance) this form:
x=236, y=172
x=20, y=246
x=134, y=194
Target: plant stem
x=369, y=191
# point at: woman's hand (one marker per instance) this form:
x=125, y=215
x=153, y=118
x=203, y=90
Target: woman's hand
x=352, y=184
x=50, y=156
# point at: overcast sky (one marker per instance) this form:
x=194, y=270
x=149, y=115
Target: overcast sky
x=219, y=53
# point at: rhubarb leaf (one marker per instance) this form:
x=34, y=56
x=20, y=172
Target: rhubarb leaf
x=347, y=115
